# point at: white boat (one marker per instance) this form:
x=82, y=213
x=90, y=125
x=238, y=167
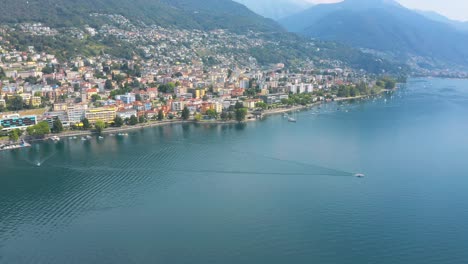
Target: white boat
x=101, y=137
x=359, y=175
x=55, y=138
x=83, y=138
x=292, y=120
x=88, y=137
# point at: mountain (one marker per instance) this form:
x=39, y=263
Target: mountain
x=276, y=9
x=384, y=26
x=460, y=25
x=191, y=14
x=277, y=45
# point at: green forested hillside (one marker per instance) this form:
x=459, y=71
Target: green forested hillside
x=197, y=14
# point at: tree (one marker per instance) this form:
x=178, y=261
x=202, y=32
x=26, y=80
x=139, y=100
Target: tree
x=2, y=74
x=160, y=115
x=138, y=97
x=95, y=97
x=133, y=120
x=185, y=113
x=343, y=91
x=47, y=70
x=39, y=130
x=57, y=126
x=261, y=105
x=212, y=113
x=166, y=88
x=99, y=126
x=198, y=117
x=239, y=105
x=76, y=87
x=86, y=124
x=390, y=84
x=224, y=116
x=241, y=113
x=118, y=121
x=16, y=103
x=14, y=135
x=141, y=119
x=353, y=91
x=108, y=85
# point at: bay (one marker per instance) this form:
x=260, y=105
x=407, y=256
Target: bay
x=265, y=192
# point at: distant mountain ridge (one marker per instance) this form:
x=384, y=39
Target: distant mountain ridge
x=460, y=25
x=192, y=14
x=276, y=9
x=383, y=25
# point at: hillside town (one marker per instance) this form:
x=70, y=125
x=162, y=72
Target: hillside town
x=159, y=85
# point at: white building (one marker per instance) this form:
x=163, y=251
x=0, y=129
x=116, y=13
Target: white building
x=76, y=113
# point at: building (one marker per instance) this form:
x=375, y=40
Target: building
x=91, y=92
x=237, y=92
x=106, y=115
x=50, y=117
x=128, y=98
x=274, y=98
x=36, y=101
x=199, y=93
x=10, y=122
x=60, y=107
x=127, y=113
x=177, y=105
x=244, y=83
x=76, y=113
x=250, y=104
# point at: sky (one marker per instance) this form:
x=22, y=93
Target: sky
x=454, y=9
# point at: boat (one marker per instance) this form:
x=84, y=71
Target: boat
x=83, y=138
x=101, y=137
x=55, y=138
x=292, y=120
x=359, y=175
x=285, y=115
x=88, y=137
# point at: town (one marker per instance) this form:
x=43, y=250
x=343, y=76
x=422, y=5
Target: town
x=169, y=81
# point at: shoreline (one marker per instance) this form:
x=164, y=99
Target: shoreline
x=113, y=130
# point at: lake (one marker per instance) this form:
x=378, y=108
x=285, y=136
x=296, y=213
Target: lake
x=266, y=192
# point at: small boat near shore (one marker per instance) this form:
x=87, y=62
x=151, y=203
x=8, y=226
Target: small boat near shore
x=55, y=138
x=292, y=120
x=23, y=144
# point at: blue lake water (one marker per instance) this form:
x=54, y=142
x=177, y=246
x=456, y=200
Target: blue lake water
x=267, y=192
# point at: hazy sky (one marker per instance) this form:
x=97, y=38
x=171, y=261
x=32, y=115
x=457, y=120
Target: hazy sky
x=456, y=9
